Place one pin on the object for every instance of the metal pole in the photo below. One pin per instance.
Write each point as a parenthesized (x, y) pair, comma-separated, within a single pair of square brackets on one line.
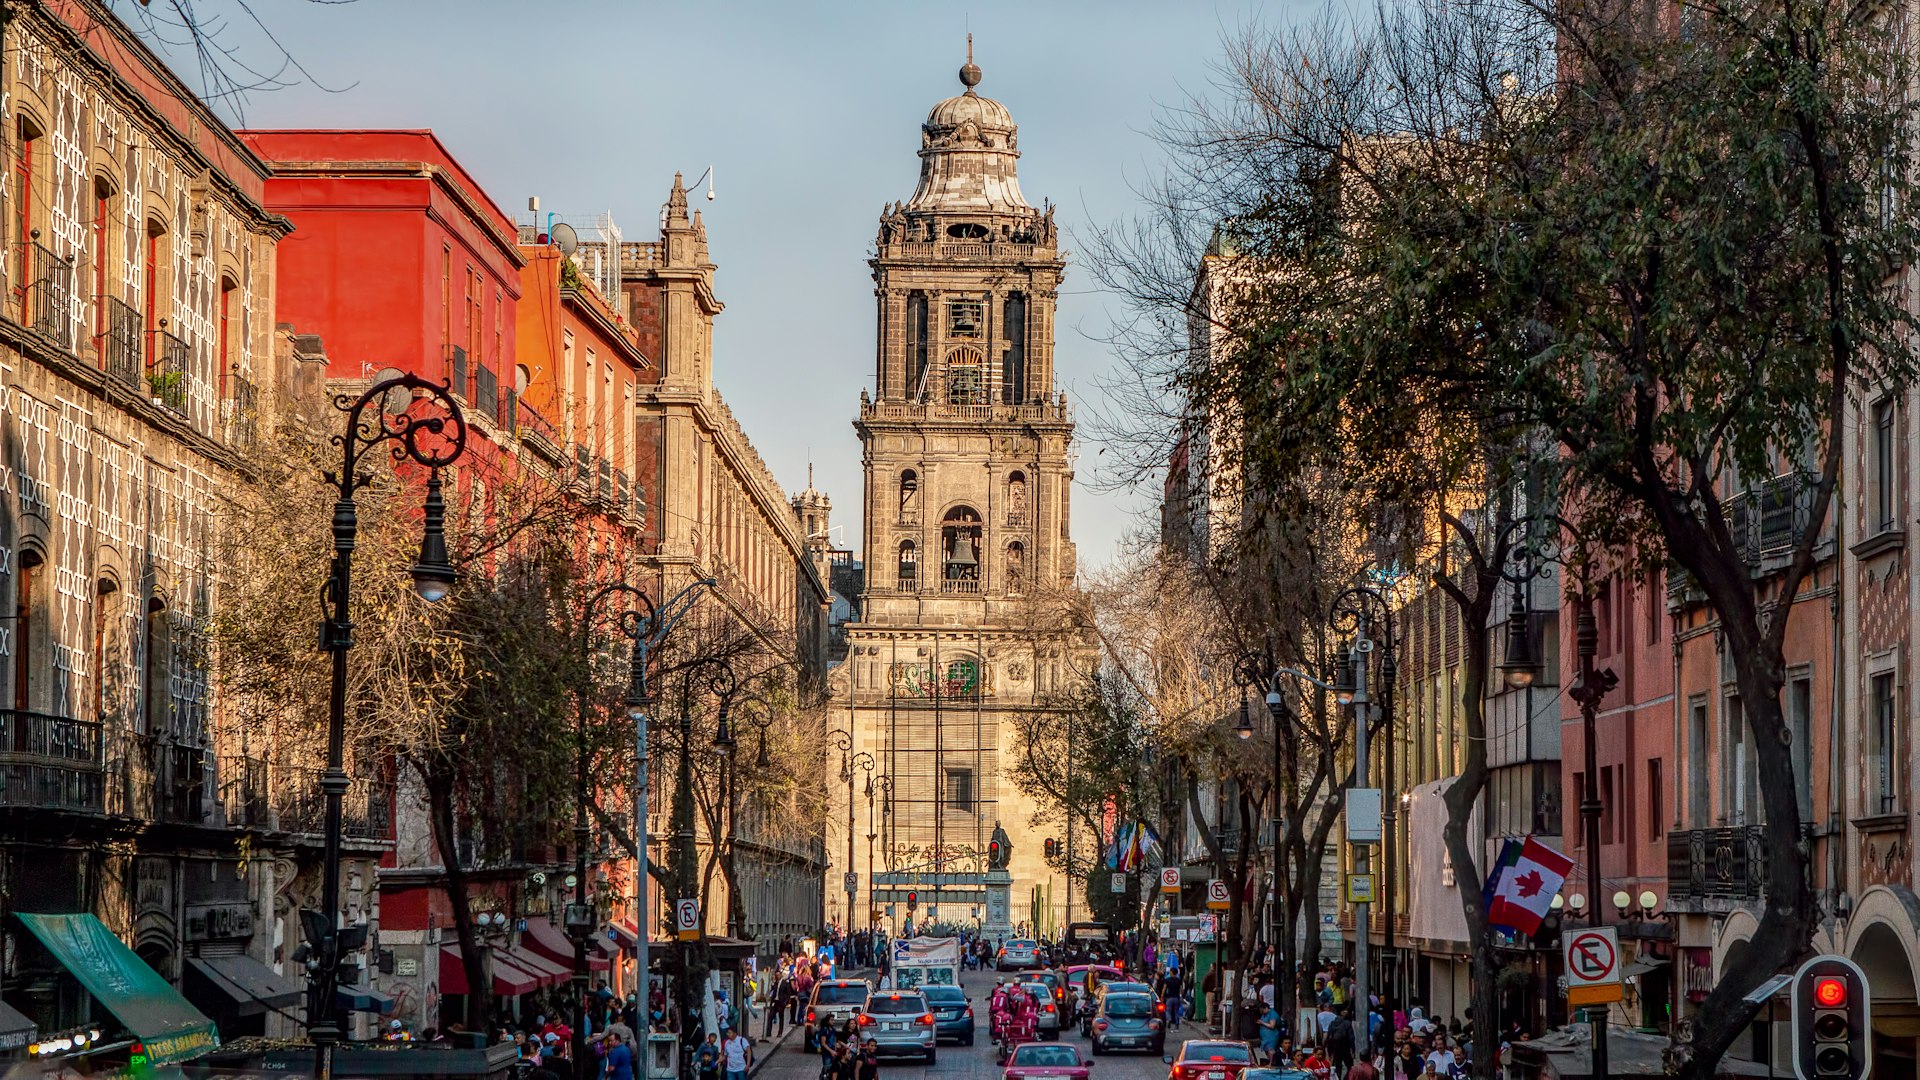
[(1362, 910), (1593, 686), (580, 834), (642, 931), (1390, 987)]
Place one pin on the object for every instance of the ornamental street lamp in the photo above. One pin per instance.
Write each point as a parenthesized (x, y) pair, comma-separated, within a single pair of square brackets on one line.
[(388, 412), (648, 633), (720, 682), (580, 913)]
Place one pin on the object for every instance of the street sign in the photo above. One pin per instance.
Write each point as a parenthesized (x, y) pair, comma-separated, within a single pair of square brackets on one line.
[(686, 918), (1359, 888), (1170, 879), (1592, 962), (1117, 883), (853, 882), (1217, 897)]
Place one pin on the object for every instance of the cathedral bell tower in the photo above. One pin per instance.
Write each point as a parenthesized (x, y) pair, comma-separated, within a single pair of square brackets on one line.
[(966, 449)]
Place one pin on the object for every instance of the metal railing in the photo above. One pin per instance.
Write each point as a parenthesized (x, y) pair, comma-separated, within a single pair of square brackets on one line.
[(243, 410), (300, 807), (120, 342), (47, 301), (243, 791), (167, 375), (1723, 863), (51, 762), (161, 781)]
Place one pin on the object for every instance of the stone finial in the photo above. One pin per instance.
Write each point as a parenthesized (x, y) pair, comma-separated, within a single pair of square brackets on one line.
[(677, 202), (970, 72)]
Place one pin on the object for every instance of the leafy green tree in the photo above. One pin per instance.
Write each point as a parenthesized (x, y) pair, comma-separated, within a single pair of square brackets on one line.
[(1661, 242)]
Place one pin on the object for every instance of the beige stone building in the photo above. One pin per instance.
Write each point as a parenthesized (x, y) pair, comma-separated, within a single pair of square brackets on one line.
[(968, 472)]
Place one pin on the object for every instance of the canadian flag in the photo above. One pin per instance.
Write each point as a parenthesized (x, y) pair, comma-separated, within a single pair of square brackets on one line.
[(1525, 881)]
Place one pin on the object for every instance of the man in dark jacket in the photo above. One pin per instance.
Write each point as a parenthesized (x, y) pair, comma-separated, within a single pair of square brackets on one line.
[(1340, 1042)]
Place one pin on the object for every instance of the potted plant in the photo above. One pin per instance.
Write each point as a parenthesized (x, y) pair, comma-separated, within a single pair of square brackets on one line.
[(167, 386)]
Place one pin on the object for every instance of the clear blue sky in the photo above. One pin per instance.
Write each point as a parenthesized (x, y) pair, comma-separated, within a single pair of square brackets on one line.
[(810, 114)]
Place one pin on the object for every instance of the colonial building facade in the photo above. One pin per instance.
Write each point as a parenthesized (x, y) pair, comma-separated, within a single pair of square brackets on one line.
[(966, 449)]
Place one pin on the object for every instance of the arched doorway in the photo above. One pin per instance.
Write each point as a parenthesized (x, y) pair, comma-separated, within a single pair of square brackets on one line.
[(1881, 938)]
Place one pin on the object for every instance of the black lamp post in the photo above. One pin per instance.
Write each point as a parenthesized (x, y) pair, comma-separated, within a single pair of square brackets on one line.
[(579, 913), (720, 681), (388, 412)]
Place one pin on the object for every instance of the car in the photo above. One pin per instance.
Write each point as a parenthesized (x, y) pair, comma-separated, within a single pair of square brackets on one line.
[(1040, 1061), (1055, 983), (1018, 954), (1100, 992), (839, 1000), (1128, 1022), (1077, 974), (952, 1013), (1278, 1074), (1210, 1059), (900, 1024), (1049, 1021)]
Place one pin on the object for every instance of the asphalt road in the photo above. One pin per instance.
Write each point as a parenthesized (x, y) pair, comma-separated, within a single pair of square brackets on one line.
[(788, 1062)]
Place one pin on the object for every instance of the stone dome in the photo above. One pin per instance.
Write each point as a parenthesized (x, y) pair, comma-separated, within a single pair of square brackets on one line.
[(984, 112)]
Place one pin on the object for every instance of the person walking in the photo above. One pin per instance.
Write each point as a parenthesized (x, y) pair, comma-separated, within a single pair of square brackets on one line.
[(738, 1052), (618, 1062), (1340, 1041)]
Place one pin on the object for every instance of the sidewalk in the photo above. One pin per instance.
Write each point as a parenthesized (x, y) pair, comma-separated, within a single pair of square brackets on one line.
[(764, 1048)]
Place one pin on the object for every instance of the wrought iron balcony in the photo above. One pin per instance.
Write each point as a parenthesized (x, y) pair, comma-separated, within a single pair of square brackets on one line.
[(46, 303), (120, 342), (456, 368), (161, 781), (243, 410), (1720, 864), (486, 393), (300, 807), (167, 375), (243, 792), (51, 762)]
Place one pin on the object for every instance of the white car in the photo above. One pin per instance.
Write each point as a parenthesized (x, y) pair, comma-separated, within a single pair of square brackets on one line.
[(1018, 954)]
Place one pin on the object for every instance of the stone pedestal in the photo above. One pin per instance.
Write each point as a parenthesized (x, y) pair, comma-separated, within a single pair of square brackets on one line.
[(997, 926)]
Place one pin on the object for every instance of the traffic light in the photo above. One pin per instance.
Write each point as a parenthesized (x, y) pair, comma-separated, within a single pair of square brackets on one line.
[(913, 900), (1832, 1012), (1049, 847), (993, 852)]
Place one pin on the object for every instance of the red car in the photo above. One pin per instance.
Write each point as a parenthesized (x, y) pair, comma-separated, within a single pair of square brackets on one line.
[(1037, 1060), (1210, 1059)]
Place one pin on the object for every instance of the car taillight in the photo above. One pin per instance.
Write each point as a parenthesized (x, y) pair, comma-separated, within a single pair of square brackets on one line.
[(927, 1019), (969, 1012), (1049, 1008), (1159, 1006), (1099, 1025), (865, 1020), (810, 1018), (1154, 1024)]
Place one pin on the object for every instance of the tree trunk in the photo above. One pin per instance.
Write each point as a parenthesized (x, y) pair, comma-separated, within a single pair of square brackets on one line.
[(440, 809)]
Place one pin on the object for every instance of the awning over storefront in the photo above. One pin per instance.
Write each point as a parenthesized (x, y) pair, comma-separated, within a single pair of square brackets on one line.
[(246, 985), (366, 999), (625, 935), (125, 986), (509, 979), (550, 972), (16, 1030), (548, 940)]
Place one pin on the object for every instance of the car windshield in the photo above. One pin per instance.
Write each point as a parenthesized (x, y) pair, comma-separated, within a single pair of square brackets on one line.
[(1128, 1005), (1230, 1052), (946, 995), (1040, 991), (896, 1005), (1127, 988), (1047, 1056), (840, 994)]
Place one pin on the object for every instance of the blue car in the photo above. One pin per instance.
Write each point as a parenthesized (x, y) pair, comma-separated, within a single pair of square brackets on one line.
[(1128, 1022), (952, 1013)]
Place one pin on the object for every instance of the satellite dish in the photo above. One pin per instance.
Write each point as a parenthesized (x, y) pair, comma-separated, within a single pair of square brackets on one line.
[(565, 238), (521, 377), (395, 401)]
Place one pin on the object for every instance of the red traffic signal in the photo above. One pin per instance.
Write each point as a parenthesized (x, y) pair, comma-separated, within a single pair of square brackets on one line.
[(1829, 992), (913, 900), (1049, 847), (1832, 1015)]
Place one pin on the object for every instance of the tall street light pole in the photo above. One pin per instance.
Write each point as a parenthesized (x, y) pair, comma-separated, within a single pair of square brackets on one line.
[(580, 914), (720, 681), (648, 632), (883, 785), (1592, 686), (424, 425)]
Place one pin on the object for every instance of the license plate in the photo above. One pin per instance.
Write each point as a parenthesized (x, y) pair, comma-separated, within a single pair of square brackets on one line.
[(894, 1027), (1216, 1075)]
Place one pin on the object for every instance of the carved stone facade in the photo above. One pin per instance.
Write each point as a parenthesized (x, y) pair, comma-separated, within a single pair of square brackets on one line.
[(968, 475)]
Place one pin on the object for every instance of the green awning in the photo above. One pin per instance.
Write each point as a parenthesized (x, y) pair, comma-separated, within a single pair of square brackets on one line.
[(151, 1008)]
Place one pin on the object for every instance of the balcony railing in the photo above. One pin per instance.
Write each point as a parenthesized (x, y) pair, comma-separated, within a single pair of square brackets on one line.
[(51, 762), (300, 807), (167, 377), (46, 303), (120, 343), (604, 470), (1723, 863), (243, 410), (161, 782), (243, 792), (963, 585)]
